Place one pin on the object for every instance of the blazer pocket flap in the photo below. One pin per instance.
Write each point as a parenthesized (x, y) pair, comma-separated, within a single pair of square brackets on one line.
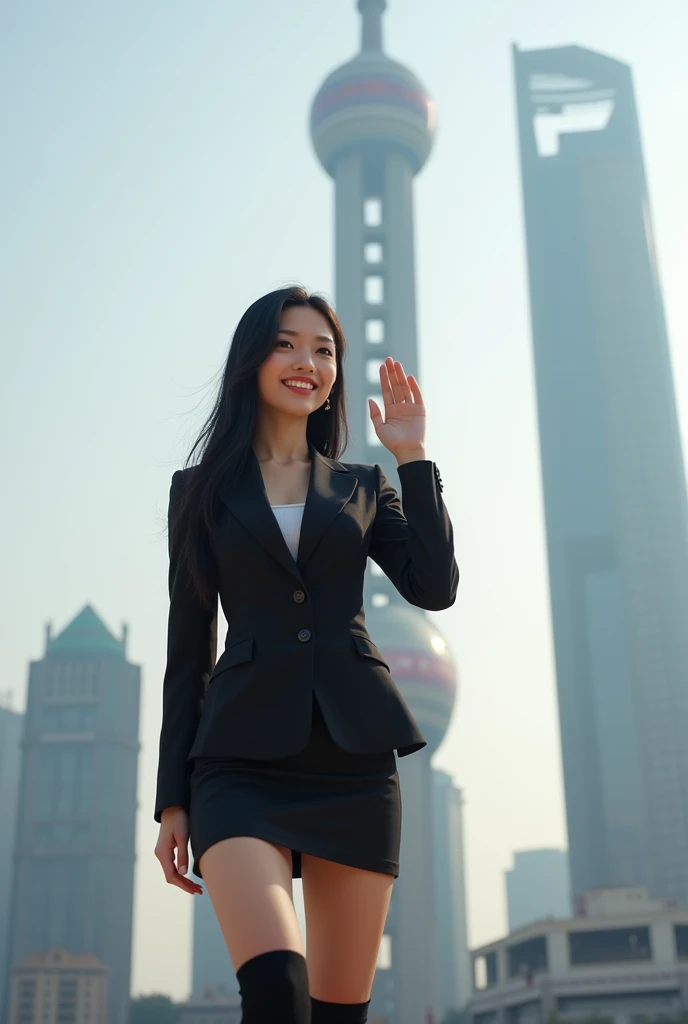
[(234, 655), (365, 646)]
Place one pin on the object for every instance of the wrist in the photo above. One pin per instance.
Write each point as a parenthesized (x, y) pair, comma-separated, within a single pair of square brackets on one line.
[(410, 455)]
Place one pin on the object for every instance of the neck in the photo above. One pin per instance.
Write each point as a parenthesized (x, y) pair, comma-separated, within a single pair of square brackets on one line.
[(281, 442)]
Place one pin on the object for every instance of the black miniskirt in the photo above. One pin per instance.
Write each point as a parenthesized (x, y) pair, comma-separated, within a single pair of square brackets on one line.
[(323, 801)]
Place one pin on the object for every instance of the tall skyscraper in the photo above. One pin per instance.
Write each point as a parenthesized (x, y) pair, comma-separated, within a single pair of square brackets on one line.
[(612, 473), (11, 724), (454, 967), (73, 872), (372, 125), (537, 887)]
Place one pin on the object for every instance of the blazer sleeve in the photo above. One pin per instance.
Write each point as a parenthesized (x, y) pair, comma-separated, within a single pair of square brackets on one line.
[(412, 537), (191, 655)]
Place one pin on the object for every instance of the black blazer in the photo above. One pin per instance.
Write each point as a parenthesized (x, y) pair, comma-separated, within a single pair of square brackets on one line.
[(298, 626)]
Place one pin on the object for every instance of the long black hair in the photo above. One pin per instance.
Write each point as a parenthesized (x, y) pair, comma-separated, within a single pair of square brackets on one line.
[(225, 440)]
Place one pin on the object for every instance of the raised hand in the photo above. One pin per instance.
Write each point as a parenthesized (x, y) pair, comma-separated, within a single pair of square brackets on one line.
[(403, 429)]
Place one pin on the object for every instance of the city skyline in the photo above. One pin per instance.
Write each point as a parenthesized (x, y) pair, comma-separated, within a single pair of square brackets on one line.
[(132, 260)]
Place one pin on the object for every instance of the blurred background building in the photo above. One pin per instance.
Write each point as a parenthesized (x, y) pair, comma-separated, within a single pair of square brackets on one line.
[(451, 913), (57, 987), (537, 887), (73, 865), (612, 473), (624, 959)]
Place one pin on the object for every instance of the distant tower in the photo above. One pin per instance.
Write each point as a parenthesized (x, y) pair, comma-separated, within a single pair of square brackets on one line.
[(73, 871), (537, 887), (612, 473), (450, 895), (372, 124)]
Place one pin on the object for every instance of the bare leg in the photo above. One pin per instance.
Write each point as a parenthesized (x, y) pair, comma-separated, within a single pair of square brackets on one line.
[(346, 909), (249, 882)]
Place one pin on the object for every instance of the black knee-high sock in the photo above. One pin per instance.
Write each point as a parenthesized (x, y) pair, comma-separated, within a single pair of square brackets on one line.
[(338, 1013), (274, 988)]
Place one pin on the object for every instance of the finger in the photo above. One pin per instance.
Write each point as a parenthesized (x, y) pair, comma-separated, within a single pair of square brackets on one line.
[(187, 885), (403, 382), (415, 390), (375, 412), (394, 379), (166, 857), (386, 385)]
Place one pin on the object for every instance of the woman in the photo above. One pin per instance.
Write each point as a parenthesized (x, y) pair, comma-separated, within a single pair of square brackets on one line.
[(277, 761)]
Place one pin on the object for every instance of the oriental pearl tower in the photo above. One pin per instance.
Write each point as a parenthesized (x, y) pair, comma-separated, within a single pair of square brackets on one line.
[(372, 125)]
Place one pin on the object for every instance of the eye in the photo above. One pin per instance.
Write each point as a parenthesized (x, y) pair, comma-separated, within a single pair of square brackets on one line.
[(283, 341), (329, 351)]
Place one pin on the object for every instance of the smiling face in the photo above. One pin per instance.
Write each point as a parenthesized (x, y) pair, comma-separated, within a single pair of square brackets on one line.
[(304, 354)]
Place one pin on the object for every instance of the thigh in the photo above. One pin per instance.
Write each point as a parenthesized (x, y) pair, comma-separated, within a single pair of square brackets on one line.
[(249, 882), (345, 909)]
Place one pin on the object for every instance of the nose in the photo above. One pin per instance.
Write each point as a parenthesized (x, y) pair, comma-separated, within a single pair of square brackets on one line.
[(305, 363)]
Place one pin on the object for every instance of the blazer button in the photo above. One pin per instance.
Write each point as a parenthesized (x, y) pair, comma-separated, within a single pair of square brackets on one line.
[(299, 596), (304, 634), (439, 478)]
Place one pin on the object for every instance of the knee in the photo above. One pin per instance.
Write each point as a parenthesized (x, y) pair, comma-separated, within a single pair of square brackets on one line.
[(274, 988)]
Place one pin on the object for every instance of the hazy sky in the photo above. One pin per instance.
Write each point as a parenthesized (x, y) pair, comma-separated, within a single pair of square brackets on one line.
[(158, 177)]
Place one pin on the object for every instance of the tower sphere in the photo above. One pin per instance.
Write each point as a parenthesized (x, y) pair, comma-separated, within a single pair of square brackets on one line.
[(421, 663), (372, 103)]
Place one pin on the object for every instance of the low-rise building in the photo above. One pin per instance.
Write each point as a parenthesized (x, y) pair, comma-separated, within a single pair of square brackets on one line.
[(212, 1004), (57, 987), (624, 957)]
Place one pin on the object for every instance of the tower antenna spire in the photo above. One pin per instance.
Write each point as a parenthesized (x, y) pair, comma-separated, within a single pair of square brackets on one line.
[(371, 28)]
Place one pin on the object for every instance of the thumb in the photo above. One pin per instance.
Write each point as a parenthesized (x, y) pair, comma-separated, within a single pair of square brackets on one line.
[(375, 413)]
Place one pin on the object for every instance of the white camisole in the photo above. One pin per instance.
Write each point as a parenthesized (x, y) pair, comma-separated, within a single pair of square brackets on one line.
[(289, 520)]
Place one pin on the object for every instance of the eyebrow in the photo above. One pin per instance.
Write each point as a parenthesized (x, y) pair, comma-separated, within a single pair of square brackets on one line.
[(319, 337)]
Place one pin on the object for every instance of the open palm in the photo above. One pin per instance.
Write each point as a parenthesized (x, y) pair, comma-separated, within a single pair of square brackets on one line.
[(403, 427)]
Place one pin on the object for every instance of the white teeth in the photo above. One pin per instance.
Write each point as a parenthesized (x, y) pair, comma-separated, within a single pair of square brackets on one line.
[(299, 384)]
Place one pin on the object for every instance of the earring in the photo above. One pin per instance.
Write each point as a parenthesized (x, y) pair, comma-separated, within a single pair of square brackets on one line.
[(327, 404)]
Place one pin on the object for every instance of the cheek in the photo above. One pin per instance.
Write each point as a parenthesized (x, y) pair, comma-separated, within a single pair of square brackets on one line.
[(269, 374)]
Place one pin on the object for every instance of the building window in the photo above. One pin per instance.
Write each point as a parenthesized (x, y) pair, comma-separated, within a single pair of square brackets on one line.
[(485, 971), (374, 290), (527, 957), (372, 213), (375, 331), (373, 252), (681, 936), (611, 946), (373, 370)]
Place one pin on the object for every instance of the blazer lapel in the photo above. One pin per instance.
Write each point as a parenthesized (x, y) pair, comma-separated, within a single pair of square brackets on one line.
[(330, 487)]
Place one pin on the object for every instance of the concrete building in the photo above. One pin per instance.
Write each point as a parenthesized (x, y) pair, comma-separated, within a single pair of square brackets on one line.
[(625, 959), (11, 725), (537, 886), (453, 959), (57, 987), (372, 126), (612, 471), (73, 869)]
